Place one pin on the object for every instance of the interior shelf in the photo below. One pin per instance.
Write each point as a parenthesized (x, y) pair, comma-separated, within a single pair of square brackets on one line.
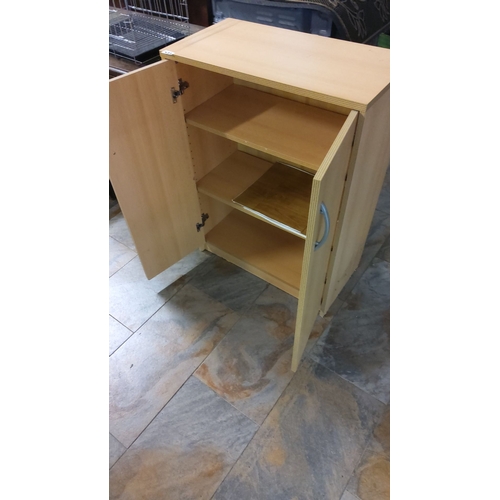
[(258, 247), (290, 130), (231, 177), (281, 196), (276, 193)]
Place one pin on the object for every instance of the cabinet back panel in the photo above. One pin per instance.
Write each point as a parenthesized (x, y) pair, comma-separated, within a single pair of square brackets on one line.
[(233, 176), (266, 156), (203, 85), (207, 150), (295, 97)]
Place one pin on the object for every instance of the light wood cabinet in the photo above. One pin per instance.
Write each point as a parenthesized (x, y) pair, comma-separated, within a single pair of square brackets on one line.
[(280, 137)]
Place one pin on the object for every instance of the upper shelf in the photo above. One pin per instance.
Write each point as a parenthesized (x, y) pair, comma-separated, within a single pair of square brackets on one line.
[(290, 130)]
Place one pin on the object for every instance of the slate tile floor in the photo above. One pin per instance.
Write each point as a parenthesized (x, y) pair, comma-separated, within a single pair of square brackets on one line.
[(203, 404)]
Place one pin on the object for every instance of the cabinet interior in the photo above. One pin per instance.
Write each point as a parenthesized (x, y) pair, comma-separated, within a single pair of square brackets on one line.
[(290, 130), (254, 155)]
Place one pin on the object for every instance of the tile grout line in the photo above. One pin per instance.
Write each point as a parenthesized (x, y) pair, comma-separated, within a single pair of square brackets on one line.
[(350, 493), (120, 268), (140, 326), (247, 315), (358, 462), (308, 354), (121, 454), (258, 428), (180, 387), (375, 253), (225, 400), (128, 231), (124, 326), (111, 434), (263, 422), (365, 447), (173, 395), (368, 442), (151, 421), (241, 316), (126, 263), (193, 374), (327, 327), (281, 395), (348, 381), (118, 321), (121, 243), (157, 310)]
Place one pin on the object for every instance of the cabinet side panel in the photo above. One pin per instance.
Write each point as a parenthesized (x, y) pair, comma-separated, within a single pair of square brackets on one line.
[(150, 166), (365, 180)]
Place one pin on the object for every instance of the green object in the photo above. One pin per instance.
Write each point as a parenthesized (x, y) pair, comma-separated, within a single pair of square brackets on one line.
[(384, 41)]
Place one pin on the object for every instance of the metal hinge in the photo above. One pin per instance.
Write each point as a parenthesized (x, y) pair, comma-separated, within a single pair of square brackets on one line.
[(199, 225), (177, 92)]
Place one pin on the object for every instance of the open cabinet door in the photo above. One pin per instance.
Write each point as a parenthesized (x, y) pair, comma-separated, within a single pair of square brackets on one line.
[(326, 196), (150, 166)]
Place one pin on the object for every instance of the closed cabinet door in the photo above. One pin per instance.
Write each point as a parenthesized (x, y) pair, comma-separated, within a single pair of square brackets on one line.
[(150, 166), (326, 197)]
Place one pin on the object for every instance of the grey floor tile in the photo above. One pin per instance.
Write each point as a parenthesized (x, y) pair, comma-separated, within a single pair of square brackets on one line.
[(151, 366), (119, 230), (250, 368), (133, 299), (118, 334), (379, 231), (385, 250), (186, 451), (356, 346), (227, 283), (309, 444), (116, 450), (119, 255), (322, 324), (384, 200), (349, 496), (371, 479)]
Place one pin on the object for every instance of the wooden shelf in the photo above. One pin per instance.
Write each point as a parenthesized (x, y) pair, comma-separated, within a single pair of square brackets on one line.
[(277, 194), (233, 176), (290, 130), (281, 196), (262, 249)]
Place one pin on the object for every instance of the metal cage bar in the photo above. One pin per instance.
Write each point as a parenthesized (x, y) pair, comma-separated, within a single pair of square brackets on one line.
[(138, 28)]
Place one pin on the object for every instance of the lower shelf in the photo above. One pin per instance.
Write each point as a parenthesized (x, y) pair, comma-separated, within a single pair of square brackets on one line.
[(276, 193), (259, 248)]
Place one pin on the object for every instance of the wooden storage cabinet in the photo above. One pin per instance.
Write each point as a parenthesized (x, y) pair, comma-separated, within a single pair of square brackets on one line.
[(287, 167)]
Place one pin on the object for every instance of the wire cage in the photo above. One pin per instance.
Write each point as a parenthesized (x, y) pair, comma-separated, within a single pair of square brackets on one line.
[(138, 28)]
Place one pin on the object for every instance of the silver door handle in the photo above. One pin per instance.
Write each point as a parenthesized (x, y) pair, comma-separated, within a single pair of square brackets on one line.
[(324, 211)]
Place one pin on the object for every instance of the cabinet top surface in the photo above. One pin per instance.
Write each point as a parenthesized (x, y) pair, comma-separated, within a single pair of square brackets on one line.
[(346, 73)]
